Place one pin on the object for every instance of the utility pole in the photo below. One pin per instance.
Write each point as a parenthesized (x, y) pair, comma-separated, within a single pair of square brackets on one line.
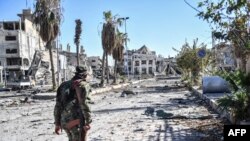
[(125, 19), (58, 62)]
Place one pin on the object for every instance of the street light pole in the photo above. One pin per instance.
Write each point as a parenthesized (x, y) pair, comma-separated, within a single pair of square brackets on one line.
[(125, 19)]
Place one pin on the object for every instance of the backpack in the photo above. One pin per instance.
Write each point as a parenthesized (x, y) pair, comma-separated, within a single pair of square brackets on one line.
[(65, 93)]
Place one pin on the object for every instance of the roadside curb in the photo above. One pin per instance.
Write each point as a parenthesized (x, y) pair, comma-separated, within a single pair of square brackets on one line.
[(213, 104), (52, 95), (114, 87)]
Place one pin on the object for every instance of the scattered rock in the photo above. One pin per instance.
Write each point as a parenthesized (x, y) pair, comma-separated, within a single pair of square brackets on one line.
[(178, 117), (91, 102), (3, 120), (127, 92), (163, 114), (137, 86), (138, 121), (149, 111), (182, 102), (35, 120), (25, 100), (139, 130), (36, 91), (104, 97), (182, 106)]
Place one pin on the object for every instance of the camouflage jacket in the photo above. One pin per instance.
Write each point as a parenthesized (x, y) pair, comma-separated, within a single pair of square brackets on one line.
[(67, 107)]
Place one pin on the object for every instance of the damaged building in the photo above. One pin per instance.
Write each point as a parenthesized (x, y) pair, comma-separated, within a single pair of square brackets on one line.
[(141, 61), (68, 61), (24, 60), (145, 62), (18, 42), (96, 65)]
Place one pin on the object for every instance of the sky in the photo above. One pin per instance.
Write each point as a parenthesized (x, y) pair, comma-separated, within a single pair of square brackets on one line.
[(158, 24)]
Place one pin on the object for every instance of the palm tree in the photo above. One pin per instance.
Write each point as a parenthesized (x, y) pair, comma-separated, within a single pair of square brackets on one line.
[(47, 17), (78, 31), (117, 52), (108, 42)]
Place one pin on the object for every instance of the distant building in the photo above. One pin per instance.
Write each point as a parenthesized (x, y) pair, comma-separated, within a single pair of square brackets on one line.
[(70, 58), (141, 61), (167, 66), (95, 62), (225, 59)]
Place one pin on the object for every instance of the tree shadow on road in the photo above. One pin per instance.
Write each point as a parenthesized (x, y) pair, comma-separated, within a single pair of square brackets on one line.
[(194, 127), (204, 132)]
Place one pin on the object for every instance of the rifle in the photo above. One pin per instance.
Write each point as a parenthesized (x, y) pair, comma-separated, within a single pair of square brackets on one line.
[(82, 134)]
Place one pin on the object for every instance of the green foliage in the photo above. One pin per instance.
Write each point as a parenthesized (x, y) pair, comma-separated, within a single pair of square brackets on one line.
[(78, 31), (47, 17), (190, 64), (238, 79), (117, 52), (237, 103), (229, 19)]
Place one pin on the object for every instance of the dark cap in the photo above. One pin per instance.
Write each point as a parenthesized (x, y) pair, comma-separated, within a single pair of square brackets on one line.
[(81, 69)]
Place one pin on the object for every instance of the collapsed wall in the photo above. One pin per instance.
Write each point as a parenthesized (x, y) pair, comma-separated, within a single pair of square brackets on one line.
[(40, 69)]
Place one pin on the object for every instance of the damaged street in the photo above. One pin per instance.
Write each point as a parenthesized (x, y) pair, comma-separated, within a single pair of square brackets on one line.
[(152, 110)]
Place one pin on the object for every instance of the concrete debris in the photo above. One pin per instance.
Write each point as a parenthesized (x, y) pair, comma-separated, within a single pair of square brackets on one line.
[(104, 97), (137, 86), (127, 92), (25, 100), (36, 91), (162, 114), (139, 130), (149, 111), (45, 64)]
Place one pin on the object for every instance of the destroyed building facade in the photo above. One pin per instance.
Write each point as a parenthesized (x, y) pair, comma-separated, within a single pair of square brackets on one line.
[(96, 63), (24, 58), (18, 42), (224, 57)]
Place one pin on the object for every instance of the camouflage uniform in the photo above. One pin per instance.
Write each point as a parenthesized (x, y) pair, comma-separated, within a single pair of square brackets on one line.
[(67, 107)]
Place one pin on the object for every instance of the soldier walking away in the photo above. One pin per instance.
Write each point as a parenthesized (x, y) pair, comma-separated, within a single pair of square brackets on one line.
[(72, 112)]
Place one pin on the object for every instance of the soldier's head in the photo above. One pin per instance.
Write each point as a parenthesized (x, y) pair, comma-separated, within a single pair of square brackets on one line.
[(81, 72)]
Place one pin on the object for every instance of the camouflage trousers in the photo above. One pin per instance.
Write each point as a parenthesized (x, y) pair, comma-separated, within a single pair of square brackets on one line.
[(74, 134)]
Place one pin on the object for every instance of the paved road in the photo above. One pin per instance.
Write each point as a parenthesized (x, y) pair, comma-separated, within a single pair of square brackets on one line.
[(177, 116)]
